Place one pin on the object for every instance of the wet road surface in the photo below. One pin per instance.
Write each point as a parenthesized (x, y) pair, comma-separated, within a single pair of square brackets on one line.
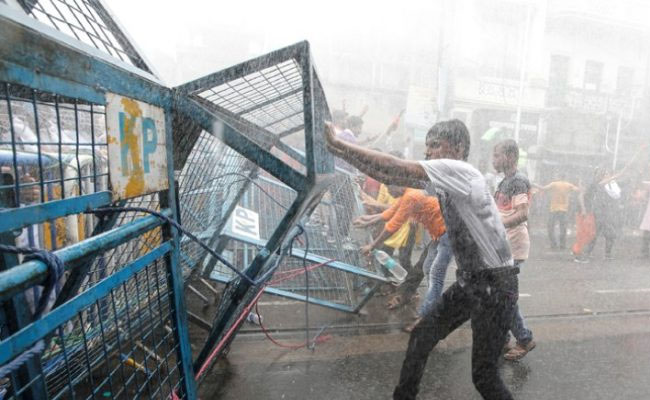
[(591, 323)]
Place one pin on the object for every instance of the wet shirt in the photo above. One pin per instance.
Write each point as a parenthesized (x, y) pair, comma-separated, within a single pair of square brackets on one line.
[(514, 191), (473, 223), (560, 191), (415, 204)]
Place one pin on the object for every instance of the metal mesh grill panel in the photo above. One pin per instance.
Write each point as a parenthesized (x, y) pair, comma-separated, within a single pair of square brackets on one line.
[(86, 21)]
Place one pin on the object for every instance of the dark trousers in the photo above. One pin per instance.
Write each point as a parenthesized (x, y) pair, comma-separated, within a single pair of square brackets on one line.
[(490, 307), (555, 218), (604, 227), (409, 287)]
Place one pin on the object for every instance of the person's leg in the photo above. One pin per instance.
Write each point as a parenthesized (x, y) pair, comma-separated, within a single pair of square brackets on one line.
[(427, 270), (592, 244), (448, 314), (406, 252), (520, 331), (610, 237), (562, 217), (437, 274), (490, 322), (415, 275), (432, 253), (551, 229), (645, 248)]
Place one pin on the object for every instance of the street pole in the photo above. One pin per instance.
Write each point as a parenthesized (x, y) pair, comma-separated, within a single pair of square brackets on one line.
[(442, 74), (522, 71), (618, 135)]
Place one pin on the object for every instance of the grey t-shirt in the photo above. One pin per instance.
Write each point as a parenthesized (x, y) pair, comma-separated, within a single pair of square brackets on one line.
[(475, 228)]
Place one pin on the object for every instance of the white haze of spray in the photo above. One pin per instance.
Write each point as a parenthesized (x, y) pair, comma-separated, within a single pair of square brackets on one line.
[(173, 29)]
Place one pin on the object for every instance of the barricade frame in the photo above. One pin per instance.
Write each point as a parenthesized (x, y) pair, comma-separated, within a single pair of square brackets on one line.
[(39, 57), (309, 186), (43, 58)]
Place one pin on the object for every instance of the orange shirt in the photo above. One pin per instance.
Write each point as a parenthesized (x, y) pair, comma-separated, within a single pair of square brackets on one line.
[(560, 191), (415, 204)]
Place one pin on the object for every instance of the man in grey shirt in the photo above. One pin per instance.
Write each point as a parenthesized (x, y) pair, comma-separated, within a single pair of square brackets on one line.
[(486, 289)]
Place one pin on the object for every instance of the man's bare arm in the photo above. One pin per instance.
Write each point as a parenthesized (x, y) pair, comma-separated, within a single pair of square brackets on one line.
[(367, 220), (625, 168), (518, 217), (383, 167), (379, 240), (402, 181), (375, 205)]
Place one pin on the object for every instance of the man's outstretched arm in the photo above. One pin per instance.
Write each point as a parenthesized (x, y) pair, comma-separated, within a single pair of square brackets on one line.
[(383, 167)]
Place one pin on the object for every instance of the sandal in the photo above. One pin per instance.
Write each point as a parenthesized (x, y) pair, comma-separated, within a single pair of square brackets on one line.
[(396, 301), (409, 328)]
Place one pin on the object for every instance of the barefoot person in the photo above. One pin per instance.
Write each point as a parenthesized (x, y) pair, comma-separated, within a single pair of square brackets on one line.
[(486, 288)]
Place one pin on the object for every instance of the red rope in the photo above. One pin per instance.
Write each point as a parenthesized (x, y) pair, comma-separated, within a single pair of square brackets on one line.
[(289, 275), (246, 311), (320, 339), (292, 273), (229, 333)]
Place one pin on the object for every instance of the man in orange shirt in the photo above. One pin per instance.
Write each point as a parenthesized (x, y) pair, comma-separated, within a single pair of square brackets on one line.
[(414, 205), (387, 196), (559, 207)]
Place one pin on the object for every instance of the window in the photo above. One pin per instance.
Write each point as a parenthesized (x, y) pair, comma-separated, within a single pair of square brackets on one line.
[(558, 77), (593, 75), (559, 71), (624, 80)]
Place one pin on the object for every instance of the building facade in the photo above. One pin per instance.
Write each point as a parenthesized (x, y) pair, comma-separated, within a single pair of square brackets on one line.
[(567, 79)]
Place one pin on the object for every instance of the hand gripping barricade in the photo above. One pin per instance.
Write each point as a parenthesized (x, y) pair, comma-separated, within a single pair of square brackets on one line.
[(86, 125)]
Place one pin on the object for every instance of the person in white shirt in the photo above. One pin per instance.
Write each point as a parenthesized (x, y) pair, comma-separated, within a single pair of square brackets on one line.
[(486, 289)]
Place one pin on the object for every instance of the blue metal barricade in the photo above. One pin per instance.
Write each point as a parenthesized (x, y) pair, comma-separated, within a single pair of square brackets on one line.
[(86, 124), (346, 282), (258, 109), (117, 325)]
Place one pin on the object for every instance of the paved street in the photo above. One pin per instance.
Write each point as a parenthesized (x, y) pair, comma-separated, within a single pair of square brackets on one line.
[(591, 322)]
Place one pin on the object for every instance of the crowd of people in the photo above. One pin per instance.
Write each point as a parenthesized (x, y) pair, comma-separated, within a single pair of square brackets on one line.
[(483, 227), (599, 205)]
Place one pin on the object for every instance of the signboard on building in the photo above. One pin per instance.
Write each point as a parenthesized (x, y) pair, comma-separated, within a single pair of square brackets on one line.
[(420, 108), (137, 154)]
